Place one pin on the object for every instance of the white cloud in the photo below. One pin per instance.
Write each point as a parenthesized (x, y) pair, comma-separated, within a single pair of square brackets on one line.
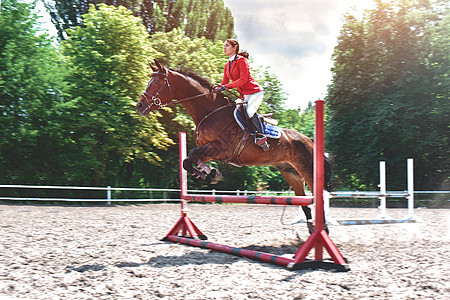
[(295, 38)]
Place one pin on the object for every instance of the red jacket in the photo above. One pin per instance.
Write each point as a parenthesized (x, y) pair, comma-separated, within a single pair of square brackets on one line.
[(240, 77)]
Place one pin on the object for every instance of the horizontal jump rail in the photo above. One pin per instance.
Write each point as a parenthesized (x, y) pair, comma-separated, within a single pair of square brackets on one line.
[(373, 222), (255, 255), (368, 195), (261, 256), (277, 200)]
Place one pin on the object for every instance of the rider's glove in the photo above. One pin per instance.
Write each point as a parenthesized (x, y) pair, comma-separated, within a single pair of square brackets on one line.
[(220, 88)]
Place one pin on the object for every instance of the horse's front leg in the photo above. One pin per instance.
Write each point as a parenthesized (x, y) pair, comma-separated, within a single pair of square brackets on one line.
[(198, 157)]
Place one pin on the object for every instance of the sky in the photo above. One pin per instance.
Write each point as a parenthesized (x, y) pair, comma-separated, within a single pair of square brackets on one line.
[(295, 38)]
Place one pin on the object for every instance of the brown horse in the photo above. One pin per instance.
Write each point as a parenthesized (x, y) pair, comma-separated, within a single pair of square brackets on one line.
[(218, 136)]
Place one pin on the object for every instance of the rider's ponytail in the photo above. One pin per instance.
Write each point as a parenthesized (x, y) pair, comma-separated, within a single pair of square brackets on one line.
[(244, 54), (235, 43)]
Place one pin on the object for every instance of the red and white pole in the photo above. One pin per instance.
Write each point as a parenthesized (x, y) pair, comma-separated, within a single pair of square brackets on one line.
[(319, 178), (183, 173)]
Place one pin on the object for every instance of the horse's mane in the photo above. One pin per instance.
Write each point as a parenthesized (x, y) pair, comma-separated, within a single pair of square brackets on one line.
[(223, 99), (201, 80)]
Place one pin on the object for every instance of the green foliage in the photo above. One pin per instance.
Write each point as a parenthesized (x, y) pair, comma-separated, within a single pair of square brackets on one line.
[(107, 57), (195, 18), (197, 54), (274, 95), (31, 84), (306, 121), (389, 95)]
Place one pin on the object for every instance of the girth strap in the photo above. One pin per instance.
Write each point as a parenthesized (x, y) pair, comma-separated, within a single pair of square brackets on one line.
[(234, 158)]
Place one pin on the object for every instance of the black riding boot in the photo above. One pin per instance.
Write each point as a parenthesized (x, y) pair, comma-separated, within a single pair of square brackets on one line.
[(260, 138)]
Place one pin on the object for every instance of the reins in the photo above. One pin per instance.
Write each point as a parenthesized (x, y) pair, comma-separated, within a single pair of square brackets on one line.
[(156, 101), (175, 102)]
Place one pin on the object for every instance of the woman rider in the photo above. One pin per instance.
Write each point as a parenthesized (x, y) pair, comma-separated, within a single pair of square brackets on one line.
[(237, 70)]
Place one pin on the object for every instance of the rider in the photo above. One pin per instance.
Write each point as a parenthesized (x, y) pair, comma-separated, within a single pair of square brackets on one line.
[(237, 70)]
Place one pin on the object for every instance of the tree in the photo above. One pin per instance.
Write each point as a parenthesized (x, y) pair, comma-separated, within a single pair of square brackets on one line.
[(196, 18), (386, 100), (108, 70), (30, 89), (198, 54)]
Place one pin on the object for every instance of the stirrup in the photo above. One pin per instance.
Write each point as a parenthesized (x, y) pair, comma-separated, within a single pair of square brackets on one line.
[(261, 140)]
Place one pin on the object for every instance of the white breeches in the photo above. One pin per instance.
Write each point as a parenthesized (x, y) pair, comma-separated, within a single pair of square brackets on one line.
[(253, 102)]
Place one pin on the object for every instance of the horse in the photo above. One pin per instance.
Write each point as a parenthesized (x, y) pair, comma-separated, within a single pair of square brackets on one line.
[(219, 137)]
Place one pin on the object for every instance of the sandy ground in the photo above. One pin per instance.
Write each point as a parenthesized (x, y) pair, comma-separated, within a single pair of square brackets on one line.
[(115, 252)]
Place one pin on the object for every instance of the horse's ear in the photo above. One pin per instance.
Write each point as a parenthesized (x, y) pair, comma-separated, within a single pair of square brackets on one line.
[(159, 65), (154, 69)]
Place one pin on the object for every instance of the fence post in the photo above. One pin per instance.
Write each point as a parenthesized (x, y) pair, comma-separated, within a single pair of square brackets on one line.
[(410, 169), (108, 194), (382, 187)]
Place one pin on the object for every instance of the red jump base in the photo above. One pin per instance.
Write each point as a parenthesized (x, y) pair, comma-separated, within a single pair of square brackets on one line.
[(319, 239)]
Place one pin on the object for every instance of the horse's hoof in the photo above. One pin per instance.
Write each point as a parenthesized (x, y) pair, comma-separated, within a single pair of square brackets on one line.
[(201, 175), (215, 176), (311, 227)]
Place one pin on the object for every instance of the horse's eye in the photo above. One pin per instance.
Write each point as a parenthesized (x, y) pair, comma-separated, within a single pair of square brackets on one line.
[(157, 80)]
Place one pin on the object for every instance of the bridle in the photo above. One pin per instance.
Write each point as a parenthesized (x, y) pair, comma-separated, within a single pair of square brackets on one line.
[(156, 101)]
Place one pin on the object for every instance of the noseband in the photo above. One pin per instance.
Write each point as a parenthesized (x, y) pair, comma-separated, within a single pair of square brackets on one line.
[(155, 100)]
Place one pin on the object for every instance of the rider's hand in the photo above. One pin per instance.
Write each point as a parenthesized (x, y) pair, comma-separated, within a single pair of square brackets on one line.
[(219, 88)]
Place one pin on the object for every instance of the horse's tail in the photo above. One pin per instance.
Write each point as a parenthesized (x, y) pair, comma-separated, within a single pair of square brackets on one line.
[(328, 185)]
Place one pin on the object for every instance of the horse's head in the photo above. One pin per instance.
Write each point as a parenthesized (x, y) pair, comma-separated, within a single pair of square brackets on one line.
[(158, 93)]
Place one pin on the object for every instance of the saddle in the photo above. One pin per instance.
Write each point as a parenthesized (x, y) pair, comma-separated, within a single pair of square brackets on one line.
[(268, 126)]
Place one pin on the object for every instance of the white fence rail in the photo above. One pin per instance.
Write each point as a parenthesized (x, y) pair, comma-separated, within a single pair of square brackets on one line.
[(165, 193), (108, 195)]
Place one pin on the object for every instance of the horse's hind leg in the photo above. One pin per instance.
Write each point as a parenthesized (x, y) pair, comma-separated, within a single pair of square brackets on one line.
[(198, 157), (306, 173), (297, 183)]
